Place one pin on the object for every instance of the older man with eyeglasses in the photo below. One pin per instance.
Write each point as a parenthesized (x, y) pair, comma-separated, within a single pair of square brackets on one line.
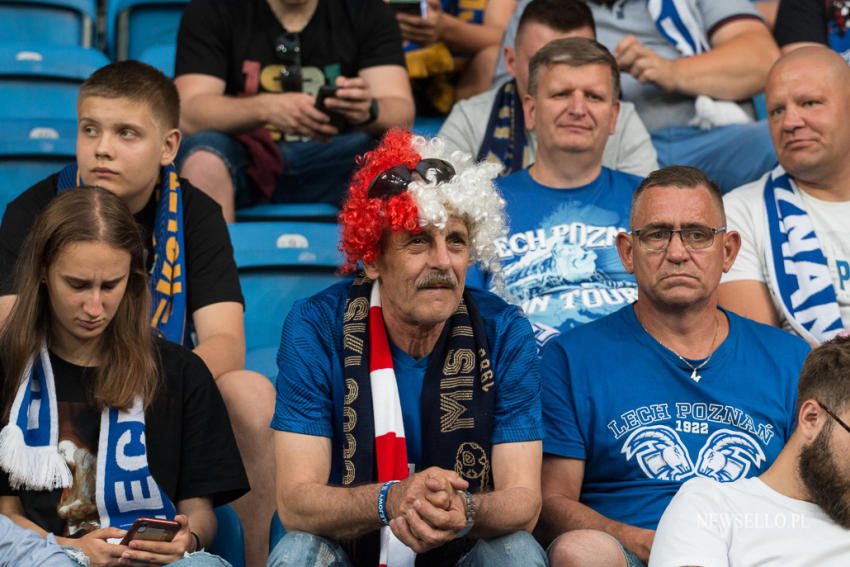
[(798, 512), (408, 424), (663, 390)]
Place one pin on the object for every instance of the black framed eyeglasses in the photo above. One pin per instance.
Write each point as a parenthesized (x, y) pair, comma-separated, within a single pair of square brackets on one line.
[(833, 416), (693, 238), (394, 180), (288, 50)]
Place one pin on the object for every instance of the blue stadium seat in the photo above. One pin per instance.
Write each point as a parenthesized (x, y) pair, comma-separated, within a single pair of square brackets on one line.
[(161, 57), (428, 127), (278, 263), (276, 531), (134, 25), (304, 212), (43, 81), (54, 22), (229, 539), (30, 150)]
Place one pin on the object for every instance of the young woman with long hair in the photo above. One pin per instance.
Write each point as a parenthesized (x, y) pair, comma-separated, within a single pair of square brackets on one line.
[(105, 422)]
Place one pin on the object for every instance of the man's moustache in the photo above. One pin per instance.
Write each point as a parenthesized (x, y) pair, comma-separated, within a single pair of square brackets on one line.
[(437, 279)]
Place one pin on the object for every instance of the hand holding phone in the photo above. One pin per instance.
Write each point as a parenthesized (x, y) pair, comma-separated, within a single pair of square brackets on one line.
[(151, 529), (412, 7), (337, 119)]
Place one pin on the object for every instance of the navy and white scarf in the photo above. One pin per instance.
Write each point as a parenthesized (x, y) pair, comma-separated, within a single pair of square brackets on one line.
[(124, 487), (679, 23), (799, 274), (168, 278)]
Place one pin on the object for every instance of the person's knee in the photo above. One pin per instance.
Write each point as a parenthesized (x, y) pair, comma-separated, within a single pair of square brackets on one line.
[(302, 548), (201, 559), (518, 549), (584, 548)]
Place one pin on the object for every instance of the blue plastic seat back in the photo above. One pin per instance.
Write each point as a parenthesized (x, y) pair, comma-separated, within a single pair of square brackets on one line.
[(229, 539), (43, 81), (161, 57), (276, 531), (55, 22), (304, 212), (30, 150), (135, 25), (279, 262)]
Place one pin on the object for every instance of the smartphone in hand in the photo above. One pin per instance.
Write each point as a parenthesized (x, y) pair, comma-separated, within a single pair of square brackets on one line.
[(412, 7), (337, 119), (151, 529)]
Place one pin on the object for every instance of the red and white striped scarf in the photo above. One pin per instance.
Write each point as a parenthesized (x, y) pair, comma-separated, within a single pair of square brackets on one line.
[(390, 446)]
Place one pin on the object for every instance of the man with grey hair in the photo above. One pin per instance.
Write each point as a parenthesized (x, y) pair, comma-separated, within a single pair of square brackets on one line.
[(559, 259), (408, 407), (660, 391)]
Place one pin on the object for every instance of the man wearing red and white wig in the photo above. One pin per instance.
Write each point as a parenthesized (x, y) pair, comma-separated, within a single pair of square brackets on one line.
[(408, 422)]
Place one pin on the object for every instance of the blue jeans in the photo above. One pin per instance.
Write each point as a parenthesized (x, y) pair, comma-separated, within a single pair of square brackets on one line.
[(518, 549), (730, 155), (197, 559), (314, 172)]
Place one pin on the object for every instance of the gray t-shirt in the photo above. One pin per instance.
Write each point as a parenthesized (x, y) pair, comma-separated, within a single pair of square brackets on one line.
[(656, 107), (628, 149)]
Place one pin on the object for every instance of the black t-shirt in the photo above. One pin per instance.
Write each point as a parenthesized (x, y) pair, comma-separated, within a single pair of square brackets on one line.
[(235, 41), (190, 445), (211, 275), (801, 20)]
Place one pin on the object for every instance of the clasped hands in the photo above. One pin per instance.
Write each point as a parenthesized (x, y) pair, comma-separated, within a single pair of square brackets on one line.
[(426, 509)]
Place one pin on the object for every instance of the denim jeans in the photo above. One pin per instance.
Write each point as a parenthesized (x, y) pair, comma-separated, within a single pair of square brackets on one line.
[(197, 559), (314, 172), (729, 155), (518, 549)]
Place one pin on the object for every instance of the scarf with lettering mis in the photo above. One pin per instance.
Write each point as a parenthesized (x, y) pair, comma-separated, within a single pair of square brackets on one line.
[(168, 278), (799, 274), (505, 141), (124, 487), (457, 404)]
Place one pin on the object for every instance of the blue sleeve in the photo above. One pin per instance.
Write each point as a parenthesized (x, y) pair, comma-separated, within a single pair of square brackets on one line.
[(518, 416), (305, 363), (20, 546), (560, 416)]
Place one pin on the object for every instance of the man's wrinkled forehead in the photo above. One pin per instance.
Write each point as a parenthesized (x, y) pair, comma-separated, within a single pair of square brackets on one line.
[(645, 206)]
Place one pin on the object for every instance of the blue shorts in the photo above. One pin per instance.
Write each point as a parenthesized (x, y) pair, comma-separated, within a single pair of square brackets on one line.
[(314, 172)]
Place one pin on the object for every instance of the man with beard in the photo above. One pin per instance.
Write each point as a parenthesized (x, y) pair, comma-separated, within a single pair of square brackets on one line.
[(796, 513)]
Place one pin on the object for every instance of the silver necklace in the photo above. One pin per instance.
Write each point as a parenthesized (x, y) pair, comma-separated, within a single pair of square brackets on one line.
[(694, 376)]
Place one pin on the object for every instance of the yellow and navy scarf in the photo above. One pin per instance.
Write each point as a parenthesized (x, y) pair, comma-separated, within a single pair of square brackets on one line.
[(505, 141), (168, 277)]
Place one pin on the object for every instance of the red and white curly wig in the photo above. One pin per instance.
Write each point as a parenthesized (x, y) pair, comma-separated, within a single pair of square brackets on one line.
[(470, 195)]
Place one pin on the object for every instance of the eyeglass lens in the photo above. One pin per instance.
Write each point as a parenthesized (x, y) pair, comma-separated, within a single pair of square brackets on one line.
[(696, 238)]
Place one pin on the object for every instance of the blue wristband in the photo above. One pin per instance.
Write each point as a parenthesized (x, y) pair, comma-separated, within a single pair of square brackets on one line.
[(382, 502)]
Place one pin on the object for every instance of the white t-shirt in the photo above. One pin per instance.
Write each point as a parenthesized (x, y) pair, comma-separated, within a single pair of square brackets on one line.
[(745, 524), (745, 213)]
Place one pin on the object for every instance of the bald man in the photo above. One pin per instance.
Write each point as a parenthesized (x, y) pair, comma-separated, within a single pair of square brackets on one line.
[(793, 269)]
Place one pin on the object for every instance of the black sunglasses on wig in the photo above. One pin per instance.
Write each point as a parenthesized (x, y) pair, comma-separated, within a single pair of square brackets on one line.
[(394, 180)]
